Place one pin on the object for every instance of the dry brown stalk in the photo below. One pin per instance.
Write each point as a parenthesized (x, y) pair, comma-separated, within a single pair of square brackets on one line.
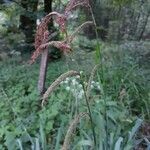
[(57, 82), (71, 37), (71, 130), (122, 94), (42, 33), (75, 3), (58, 44)]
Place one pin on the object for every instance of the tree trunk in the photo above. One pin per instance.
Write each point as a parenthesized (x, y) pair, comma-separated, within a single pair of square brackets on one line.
[(28, 19), (43, 70), (47, 6), (136, 22), (143, 27), (44, 58)]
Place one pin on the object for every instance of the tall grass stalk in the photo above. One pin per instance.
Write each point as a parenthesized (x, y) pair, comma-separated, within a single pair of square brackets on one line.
[(98, 55), (101, 79), (89, 110), (71, 129)]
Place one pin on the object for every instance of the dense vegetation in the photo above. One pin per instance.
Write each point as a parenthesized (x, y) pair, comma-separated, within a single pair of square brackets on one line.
[(97, 95)]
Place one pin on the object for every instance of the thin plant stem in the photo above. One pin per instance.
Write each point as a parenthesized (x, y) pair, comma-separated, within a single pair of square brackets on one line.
[(98, 49), (90, 112), (99, 56), (105, 110)]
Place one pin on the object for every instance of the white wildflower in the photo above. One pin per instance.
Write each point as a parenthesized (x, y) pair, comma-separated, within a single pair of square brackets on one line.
[(97, 101), (74, 82), (98, 87), (68, 88), (81, 72), (97, 83), (80, 86), (66, 82), (80, 96), (82, 92), (93, 82), (78, 77), (67, 79), (92, 87), (85, 83), (72, 90)]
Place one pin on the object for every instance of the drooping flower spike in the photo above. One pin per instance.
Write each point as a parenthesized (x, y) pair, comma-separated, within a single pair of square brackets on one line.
[(42, 33)]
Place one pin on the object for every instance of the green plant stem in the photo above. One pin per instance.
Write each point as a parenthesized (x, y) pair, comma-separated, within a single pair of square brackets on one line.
[(105, 109), (90, 113), (98, 49), (99, 56)]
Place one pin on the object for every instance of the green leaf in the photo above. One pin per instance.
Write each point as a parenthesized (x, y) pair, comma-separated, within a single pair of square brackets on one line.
[(118, 144), (10, 140), (135, 128)]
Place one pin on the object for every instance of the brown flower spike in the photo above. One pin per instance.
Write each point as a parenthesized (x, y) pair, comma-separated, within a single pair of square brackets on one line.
[(42, 33)]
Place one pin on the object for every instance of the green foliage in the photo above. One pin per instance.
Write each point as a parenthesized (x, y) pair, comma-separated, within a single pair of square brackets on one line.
[(117, 105), (11, 13), (117, 100), (122, 2), (20, 102)]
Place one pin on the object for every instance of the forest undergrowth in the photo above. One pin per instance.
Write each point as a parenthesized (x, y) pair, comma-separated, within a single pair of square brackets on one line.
[(119, 106), (96, 95)]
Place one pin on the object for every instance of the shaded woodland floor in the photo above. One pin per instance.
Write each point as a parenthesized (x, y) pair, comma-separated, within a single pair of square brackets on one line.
[(18, 84)]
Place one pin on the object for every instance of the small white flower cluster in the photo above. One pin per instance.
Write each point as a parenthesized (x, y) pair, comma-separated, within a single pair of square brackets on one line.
[(74, 86), (95, 85)]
